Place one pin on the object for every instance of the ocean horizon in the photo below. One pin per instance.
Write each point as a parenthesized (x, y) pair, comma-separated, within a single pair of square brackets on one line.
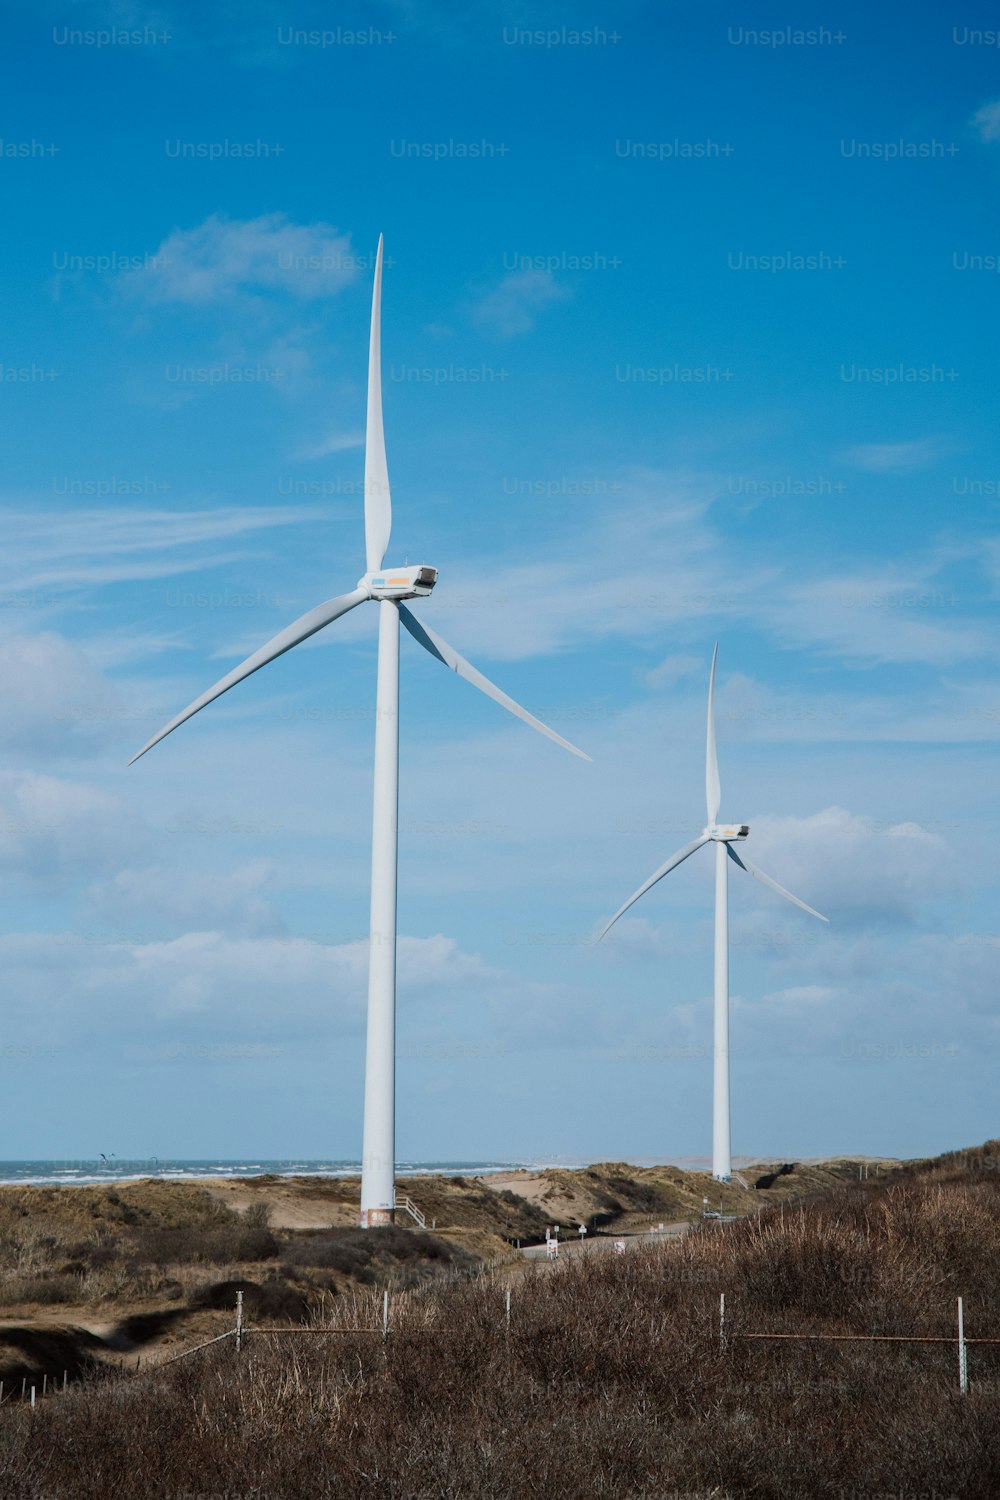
[(79, 1171)]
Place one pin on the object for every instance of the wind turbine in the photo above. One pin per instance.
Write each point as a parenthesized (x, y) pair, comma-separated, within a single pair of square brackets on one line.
[(389, 587), (723, 836)]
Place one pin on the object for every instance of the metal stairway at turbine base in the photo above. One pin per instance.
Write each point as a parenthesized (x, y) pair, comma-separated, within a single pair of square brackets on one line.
[(408, 1206)]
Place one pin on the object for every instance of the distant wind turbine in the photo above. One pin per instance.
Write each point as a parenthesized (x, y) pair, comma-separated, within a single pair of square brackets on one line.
[(723, 836), (389, 586)]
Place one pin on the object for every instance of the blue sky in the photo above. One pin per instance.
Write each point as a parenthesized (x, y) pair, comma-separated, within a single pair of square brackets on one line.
[(689, 333)]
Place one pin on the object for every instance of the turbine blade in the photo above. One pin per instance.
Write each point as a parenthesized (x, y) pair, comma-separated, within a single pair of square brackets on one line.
[(303, 627), (758, 874), (378, 501), (671, 864), (447, 654), (713, 791)]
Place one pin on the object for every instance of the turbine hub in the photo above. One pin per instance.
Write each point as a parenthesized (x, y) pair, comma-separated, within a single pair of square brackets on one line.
[(727, 833), (399, 583)]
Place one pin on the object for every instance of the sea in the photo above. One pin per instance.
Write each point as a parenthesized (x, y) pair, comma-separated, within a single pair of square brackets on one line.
[(115, 1169), (111, 1168)]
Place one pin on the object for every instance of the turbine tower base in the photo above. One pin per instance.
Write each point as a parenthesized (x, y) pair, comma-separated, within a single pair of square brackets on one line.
[(377, 1218)]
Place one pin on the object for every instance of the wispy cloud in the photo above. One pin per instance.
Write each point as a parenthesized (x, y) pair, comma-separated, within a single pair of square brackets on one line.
[(672, 670), (862, 613), (167, 899), (888, 613), (222, 258), (55, 699), (987, 121), (563, 601), (894, 458), (206, 983), (335, 442), (53, 830), (512, 306), (58, 551)]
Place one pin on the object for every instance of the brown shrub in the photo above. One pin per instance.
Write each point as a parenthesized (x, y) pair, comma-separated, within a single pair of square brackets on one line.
[(612, 1380), (370, 1255), (45, 1290), (273, 1300), (186, 1245)]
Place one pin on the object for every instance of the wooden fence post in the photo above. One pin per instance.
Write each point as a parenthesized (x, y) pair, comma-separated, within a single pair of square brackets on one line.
[(722, 1321), (963, 1359), (239, 1321), (385, 1314)]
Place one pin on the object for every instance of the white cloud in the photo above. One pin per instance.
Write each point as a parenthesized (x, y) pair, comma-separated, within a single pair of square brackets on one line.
[(947, 711), (334, 442), (543, 606), (894, 458), (202, 984), (58, 550), (987, 121), (848, 996), (802, 996), (111, 649), (52, 831), (512, 306), (146, 901), (653, 939), (55, 700), (206, 985), (858, 872), (222, 258), (855, 869), (928, 999), (674, 669), (885, 613)]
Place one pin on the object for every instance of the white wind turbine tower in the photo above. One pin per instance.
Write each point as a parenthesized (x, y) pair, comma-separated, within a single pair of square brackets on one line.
[(723, 836), (389, 586)]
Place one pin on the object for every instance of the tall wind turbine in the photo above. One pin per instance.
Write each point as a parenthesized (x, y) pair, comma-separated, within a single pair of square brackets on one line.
[(723, 836), (389, 586)]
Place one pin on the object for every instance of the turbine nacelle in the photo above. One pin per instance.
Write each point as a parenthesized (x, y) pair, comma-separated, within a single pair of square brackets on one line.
[(399, 583), (726, 833)]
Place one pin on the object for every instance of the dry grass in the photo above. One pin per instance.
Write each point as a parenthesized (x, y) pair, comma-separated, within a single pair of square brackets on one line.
[(610, 1382), (43, 1262)]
